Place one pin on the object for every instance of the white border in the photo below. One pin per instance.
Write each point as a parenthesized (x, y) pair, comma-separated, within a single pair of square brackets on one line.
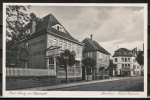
[(92, 94)]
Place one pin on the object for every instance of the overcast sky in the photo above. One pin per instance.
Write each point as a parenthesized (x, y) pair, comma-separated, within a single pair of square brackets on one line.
[(110, 26)]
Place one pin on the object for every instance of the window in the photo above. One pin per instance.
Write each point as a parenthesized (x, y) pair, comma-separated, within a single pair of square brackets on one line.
[(106, 57), (70, 69), (61, 44), (100, 55), (115, 59), (28, 31), (65, 45), (57, 27), (78, 52), (122, 65), (78, 69), (60, 28), (128, 65), (125, 65), (90, 54), (122, 59), (50, 42), (125, 59), (134, 66), (55, 42), (73, 47), (61, 69), (128, 59), (51, 63), (26, 46), (77, 64), (69, 46)]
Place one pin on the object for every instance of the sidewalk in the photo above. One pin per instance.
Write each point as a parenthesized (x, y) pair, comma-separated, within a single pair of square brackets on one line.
[(73, 84)]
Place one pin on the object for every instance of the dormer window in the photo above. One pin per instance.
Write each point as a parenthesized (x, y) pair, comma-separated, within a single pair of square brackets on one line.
[(59, 28)]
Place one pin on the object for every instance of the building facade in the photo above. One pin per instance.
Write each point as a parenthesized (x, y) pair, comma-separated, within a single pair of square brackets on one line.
[(126, 63), (93, 50), (44, 40)]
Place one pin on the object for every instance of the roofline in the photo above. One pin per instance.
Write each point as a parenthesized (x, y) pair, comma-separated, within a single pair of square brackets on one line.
[(88, 50), (49, 20), (65, 38), (96, 50), (101, 47), (39, 33), (122, 48), (92, 44), (123, 56), (104, 52), (34, 35)]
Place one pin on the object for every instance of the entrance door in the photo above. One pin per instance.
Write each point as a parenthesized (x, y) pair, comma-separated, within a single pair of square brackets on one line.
[(83, 73)]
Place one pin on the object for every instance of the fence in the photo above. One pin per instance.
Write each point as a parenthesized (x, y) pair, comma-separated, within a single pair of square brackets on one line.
[(62, 74), (29, 72)]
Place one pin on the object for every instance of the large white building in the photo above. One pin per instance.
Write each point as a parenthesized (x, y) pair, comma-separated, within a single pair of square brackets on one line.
[(126, 63)]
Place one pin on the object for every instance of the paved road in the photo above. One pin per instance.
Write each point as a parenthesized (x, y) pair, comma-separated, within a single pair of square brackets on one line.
[(130, 84)]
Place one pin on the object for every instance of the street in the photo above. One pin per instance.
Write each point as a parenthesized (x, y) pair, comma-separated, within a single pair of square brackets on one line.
[(129, 84)]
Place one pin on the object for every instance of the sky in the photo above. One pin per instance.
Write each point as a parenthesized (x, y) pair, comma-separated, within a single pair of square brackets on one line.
[(112, 27)]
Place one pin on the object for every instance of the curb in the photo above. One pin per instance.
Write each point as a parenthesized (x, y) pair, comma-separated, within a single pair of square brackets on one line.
[(70, 85)]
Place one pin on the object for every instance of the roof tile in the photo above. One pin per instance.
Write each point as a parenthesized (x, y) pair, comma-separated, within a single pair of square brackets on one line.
[(93, 45)]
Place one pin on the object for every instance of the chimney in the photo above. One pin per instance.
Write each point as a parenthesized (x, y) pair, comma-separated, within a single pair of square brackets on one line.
[(91, 37), (33, 23)]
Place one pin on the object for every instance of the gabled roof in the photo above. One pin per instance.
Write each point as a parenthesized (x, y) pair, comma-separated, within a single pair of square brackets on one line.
[(122, 49), (47, 22), (123, 52), (100, 48), (93, 46)]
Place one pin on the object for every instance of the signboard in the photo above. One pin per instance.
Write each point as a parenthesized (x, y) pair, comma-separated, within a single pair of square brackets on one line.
[(53, 51)]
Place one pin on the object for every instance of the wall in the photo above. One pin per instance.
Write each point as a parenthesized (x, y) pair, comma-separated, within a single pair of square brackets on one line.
[(14, 83), (102, 62), (94, 55), (36, 54), (50, 42)]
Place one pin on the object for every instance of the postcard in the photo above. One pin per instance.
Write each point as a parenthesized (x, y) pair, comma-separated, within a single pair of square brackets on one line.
[(77, 50)]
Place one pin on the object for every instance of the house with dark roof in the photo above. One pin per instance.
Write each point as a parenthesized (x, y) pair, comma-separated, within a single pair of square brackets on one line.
[(44, 39), (101, 56), (126, 62)]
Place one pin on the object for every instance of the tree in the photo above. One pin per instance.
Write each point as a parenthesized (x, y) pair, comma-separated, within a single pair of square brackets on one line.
[(140, 58), (111, 67), (66, 59), (88, 63), (16, 19)]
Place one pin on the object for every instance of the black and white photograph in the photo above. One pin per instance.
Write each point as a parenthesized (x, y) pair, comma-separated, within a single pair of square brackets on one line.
[(77, 50)]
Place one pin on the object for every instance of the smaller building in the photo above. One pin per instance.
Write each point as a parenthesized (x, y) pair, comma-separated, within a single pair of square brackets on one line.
[(101, 56), (126, 62)]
